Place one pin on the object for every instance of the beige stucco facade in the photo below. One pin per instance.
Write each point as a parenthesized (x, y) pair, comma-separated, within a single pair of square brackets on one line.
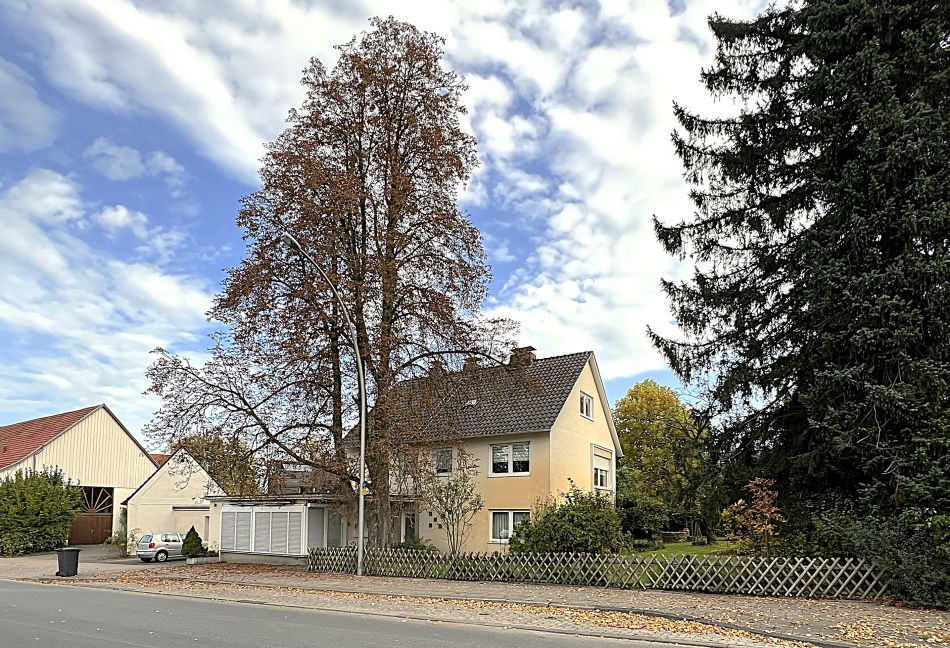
[(174, 499), (96, 451), (565, 454)]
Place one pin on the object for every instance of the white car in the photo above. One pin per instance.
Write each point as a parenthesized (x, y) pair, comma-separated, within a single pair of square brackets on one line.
[(160, 547)]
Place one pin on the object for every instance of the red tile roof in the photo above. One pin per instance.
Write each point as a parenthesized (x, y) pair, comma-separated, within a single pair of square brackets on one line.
[(159, 457), (20, 440)]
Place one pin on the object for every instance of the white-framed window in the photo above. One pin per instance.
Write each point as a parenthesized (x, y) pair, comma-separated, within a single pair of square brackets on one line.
[(587, 406), (504, 523), (443, 461), (510, 458), (602, 462)]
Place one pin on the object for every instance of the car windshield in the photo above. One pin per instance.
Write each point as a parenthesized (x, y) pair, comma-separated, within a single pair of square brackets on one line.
[(146, 538)]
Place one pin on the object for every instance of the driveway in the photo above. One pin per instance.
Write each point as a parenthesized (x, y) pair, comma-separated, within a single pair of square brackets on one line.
[(94, 560), (70, 617)]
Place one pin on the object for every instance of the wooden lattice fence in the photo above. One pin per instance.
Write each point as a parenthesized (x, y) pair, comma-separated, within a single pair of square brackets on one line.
[(844, 578)]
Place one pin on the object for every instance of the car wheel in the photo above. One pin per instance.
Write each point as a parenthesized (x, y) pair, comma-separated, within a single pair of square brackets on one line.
[(144, 559), (161, 556)]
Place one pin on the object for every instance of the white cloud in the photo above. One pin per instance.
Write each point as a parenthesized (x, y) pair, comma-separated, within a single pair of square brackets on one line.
[(113, 161), (97, 315), (118, 162), (572, 108), (26, 123), (119, 217)]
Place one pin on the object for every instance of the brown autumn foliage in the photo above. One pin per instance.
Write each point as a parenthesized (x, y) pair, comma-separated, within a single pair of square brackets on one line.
[(366, 175), (755, 524)]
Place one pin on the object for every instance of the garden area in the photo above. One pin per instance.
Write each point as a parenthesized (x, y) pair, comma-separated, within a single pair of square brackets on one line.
[(718, 548)]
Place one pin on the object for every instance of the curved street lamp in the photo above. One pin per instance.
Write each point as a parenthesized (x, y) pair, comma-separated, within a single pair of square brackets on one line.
[(288, 239)]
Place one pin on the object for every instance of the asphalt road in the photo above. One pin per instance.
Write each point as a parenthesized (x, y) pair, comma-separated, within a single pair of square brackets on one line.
[(57, 616)]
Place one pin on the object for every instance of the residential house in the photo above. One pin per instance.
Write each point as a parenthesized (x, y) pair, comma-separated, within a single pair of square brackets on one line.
[(534, 427), (94, 450), (173, 498)]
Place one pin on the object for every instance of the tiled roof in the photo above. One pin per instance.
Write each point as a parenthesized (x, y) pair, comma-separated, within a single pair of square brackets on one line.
[(159, 457), (20, 440), (487, 401)]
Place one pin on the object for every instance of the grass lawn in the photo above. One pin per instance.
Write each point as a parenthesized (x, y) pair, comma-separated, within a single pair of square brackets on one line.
[(681, 548)]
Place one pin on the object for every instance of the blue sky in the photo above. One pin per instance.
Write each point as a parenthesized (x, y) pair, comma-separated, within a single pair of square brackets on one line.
[(130, 130)]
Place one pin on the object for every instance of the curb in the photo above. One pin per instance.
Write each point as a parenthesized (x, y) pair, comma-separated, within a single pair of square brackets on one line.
[(594, 608)]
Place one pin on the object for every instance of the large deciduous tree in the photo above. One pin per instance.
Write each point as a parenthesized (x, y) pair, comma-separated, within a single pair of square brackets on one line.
[(819, 310), (366, 176), (672, 462)]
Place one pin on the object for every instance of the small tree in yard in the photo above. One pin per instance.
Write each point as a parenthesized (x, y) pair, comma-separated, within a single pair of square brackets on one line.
[(454, 499), (37, 509), (583, 522), (192, 547), (755, 523)]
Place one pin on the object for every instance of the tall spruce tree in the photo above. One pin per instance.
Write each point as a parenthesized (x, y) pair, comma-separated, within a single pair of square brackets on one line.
[(819, 311)]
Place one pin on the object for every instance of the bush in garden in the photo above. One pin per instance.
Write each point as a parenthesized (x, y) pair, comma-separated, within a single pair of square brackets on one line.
[(192, 547), (913, 558), (582, 522), (37, 509)]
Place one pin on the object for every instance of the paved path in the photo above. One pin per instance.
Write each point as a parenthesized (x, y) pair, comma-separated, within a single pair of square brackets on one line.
[(94, 560), (68, 617), (823, 621)]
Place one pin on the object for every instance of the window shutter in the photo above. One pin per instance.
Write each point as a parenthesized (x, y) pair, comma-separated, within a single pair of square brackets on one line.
[(278, 538), (227, 530), (293, 534), (261, 531), (242, 539)]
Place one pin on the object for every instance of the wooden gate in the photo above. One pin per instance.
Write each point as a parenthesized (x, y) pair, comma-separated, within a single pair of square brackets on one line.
[(90, 528), (94, 524)]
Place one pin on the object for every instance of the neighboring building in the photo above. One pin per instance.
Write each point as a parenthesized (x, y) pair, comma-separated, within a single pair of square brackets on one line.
[(94, 450), (159, 457), (173, 499), (534, 427)]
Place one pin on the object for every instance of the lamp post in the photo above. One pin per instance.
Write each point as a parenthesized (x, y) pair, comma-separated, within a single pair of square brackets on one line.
[(289, 240)]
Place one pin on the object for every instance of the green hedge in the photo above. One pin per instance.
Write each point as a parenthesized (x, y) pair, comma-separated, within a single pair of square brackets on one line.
[(36, 510)]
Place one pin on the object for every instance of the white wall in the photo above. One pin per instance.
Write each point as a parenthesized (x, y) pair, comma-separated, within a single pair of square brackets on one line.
[(160, 505)]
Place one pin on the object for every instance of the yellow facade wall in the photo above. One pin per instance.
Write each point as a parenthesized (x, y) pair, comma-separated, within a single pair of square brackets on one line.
[(94, 452), (574, 436), (503, 492)]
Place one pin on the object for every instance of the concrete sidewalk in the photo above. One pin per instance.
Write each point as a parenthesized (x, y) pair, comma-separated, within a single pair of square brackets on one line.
[(827, 622)]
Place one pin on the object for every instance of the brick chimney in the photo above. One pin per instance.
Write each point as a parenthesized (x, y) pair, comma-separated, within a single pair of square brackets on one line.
[(471, 363), (436, 369), (522, 357)]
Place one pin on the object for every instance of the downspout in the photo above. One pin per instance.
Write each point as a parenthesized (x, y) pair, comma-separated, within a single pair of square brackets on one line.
[(41, 448)]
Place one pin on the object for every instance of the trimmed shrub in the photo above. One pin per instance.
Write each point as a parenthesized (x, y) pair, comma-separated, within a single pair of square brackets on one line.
[(582, 522), (36, 510), (192, 547)]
